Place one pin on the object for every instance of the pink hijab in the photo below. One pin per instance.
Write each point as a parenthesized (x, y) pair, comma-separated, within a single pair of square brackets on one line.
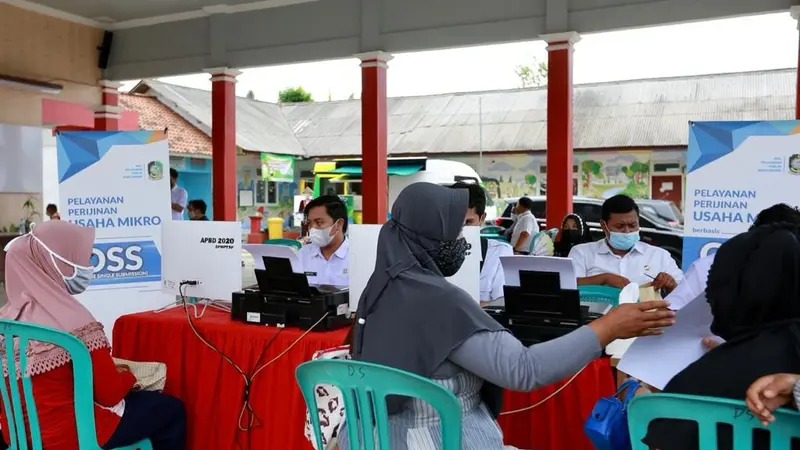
[(37, 293)]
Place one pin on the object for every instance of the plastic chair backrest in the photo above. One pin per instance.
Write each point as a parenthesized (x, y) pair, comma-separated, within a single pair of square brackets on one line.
[(286, 242), (492, 229), (600, 294), (708, 412), (83, 387), (364, 388)]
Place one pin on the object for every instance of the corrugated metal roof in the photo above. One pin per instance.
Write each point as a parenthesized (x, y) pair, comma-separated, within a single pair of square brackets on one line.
[(627, 114), (639, 114), (260, 126)]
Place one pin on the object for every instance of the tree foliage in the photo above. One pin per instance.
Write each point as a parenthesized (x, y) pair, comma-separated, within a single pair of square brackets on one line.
[(294, 95), (532, 75), (251, 95)]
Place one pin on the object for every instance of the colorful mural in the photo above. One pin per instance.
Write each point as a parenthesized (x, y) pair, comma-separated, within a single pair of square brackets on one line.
[(603, 176), (597, 174)]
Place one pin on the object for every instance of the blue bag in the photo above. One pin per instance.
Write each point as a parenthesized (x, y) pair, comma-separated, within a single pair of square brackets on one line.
[(607, 426)]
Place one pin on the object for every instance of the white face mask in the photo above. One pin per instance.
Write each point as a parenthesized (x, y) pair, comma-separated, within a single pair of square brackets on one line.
[(321, 237), (81, 276)]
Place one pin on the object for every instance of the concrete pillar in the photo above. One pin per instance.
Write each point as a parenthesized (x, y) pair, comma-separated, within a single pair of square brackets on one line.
[(374, 137), (559, 125), (223, 142), (795, 10), (108, 114)]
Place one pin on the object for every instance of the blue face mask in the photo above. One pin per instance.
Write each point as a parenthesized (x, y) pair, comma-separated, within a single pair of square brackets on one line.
[(81, 276), (623, 241)]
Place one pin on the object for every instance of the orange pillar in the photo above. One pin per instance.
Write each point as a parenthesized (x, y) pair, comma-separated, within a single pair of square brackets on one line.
[(223, 142), (374, 136), (559, 126), (107, 115)]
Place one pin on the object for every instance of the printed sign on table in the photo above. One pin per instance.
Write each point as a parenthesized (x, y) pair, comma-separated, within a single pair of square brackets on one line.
[(735, 170), (117, 182)]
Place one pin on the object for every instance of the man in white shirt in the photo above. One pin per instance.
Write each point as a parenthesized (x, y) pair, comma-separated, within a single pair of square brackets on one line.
[(492, 278), (524, 227), (621, 258), (179, 196), (325, 258)]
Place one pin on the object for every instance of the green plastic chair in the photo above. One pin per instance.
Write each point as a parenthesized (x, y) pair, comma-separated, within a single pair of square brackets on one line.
[(600, 294), (708, 412), (494, 233), (81, 372), (286, 242), (364, 389)]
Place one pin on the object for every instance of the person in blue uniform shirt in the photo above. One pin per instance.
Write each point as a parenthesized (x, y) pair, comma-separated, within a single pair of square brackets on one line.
[(324, 257), (492, 278)]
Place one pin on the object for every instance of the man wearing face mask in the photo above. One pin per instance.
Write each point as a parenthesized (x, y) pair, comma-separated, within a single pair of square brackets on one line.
[(621, 258), (324, 258), (492, 278)]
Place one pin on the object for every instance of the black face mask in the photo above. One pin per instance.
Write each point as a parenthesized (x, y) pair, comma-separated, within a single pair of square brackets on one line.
[(571, 236), (450, 256)]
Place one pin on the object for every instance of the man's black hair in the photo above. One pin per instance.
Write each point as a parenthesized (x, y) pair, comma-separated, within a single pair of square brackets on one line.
[(173, 173), (780, 213), (618, 204), (199, 205), (52, 207), (477, 196), (334, 206), (526, 203)]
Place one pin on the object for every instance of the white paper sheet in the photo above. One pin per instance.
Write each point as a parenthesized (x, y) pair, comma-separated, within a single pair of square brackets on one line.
[(512, 265), (656, 359), (276, 251), (363, 251)]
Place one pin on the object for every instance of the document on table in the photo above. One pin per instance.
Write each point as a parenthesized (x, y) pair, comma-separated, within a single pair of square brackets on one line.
[(276, 251), (656, 359)]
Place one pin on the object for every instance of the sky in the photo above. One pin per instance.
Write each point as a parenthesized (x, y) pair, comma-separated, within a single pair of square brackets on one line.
[(720, 46)]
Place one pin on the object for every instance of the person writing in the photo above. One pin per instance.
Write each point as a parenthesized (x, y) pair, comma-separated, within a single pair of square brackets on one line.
[(492, 277), (324, 258), (411, 318), (524, 227), (621, 258), (179, 195), (754, 294), (44, 269)]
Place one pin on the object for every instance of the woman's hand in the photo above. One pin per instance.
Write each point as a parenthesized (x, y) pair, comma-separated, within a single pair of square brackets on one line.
[(770, 393), (633, 320), (123, 368)]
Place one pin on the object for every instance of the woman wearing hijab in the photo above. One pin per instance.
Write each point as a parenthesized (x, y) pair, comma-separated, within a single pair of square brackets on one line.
[(754, 293), (573, 232), (44, 269), (411, 318)]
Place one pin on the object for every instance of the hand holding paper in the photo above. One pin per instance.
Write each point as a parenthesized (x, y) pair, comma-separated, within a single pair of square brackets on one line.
[(632, 320)]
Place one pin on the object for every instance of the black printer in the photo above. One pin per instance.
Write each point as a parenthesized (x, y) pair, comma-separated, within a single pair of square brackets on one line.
[(538, 310), (284, 298)]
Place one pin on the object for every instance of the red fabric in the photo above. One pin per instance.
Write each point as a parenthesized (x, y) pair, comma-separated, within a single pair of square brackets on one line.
[(211, 389), (557, 424), (55, 404)]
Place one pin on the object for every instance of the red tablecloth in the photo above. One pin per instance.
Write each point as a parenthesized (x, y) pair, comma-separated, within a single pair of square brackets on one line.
[(212, 390), (557, 424)]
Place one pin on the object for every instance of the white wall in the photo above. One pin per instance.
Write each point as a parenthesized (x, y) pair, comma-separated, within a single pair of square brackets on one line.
[(21, 156), (49, 169)]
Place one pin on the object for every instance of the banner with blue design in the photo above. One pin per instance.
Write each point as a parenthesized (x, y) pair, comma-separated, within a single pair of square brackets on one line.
[(734, 170), (118, 183)]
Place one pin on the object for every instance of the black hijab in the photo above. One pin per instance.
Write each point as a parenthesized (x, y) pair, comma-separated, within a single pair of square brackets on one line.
[(409, 316), (570, 238), (754, 293)]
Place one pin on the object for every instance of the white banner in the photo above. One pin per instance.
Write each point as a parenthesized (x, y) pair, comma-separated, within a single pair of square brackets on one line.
[(117, 182), (735, 170)]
